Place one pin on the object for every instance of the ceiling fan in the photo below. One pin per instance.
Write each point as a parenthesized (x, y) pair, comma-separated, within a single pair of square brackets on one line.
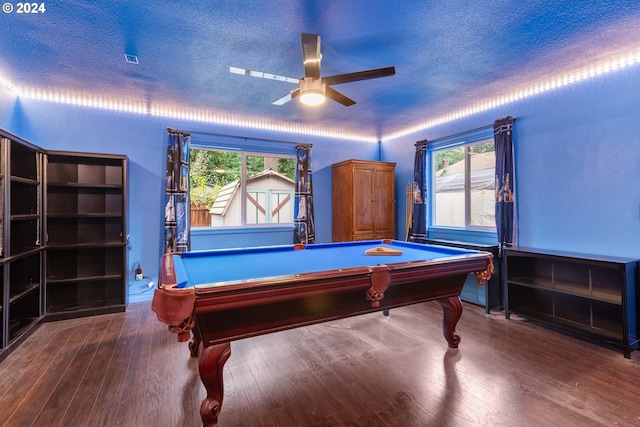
[(312, 88)]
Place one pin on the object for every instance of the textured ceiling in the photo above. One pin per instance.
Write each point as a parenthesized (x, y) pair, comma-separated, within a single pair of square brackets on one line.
[(448, 54)]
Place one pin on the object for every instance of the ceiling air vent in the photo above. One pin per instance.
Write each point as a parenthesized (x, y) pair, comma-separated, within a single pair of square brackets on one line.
[(131, 59)]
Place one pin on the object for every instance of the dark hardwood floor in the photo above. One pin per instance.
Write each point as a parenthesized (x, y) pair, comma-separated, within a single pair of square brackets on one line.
[(126, 369)]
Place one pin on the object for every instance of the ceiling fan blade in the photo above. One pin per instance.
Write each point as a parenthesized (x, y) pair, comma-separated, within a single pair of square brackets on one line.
[(338, 97), (360, 75), (262, 75), (288, 97), (311, 54)]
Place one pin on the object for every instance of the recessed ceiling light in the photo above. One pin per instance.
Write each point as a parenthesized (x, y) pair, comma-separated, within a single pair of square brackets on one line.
[(131, 59)]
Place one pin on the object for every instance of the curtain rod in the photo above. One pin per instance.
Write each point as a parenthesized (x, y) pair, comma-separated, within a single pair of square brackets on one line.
[(487, 127), (454, 135), (239, 137), (177, 132)]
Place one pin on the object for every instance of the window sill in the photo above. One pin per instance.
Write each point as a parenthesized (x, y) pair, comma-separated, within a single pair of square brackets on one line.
[(463, 235), (264, 228)]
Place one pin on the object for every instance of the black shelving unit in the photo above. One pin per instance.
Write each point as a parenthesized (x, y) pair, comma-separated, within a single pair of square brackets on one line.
[(589, 296), (86, 270), (21, 248), (63, 249)]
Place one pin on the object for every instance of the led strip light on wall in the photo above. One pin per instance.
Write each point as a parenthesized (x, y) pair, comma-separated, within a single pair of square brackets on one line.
[(174, 112), (209, 116), (548, 85)]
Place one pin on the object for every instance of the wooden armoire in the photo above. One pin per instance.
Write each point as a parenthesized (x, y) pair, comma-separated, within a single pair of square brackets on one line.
[(363, 200)]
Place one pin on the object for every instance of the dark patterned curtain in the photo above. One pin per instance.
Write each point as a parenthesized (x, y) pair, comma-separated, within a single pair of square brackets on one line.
[(176, 210), (304, 229), (418, 231), (505, 182)]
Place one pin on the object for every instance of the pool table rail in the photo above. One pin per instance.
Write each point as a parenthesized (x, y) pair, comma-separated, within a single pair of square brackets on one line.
[(259, 306)]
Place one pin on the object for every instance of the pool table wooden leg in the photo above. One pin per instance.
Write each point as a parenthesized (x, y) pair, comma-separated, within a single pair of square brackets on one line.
[(452, 310), (194, 344), (211, 362)]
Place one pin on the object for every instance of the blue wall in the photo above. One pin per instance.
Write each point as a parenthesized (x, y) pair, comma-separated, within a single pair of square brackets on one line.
[(143, 139), (577, 164), (9, 110)]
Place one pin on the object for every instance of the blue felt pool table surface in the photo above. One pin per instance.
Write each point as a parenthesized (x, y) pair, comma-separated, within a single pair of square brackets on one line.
[(215, 267)]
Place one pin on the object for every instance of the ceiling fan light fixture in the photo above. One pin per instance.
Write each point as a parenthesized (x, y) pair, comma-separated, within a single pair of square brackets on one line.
[(312, 91), (312, 97)]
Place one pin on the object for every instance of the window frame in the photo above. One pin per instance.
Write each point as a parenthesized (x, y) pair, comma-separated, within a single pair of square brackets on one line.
[(460, 140), (246, 147)]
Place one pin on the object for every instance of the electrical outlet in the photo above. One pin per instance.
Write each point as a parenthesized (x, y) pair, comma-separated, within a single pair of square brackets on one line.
[(139, 273)]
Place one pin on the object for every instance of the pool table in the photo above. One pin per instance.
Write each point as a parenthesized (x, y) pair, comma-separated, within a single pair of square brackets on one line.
[(226, 295)]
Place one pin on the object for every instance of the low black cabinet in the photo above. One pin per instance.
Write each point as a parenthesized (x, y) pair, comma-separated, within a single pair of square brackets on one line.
[(590, 296)]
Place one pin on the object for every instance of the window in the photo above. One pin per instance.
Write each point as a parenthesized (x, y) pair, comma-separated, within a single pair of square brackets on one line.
[(464, 185), (230, 188)]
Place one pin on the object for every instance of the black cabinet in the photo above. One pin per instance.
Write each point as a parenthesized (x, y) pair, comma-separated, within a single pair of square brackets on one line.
[(589, 296), (21, 245), (86, 268)]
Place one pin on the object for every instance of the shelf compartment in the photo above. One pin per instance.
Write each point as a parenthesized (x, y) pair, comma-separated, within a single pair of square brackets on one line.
[(25, 199), (24, 273), (570, 308), (585, 292), (82, 295), (570, 274), (605, 282), (84, 200), (588, 282), (525, 299), (605, 321), (25, 235), (24, 161), (85, 262), (84, 230), (23, 313), (533, 272), (591, 318), (78, 171), (19, 291)]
